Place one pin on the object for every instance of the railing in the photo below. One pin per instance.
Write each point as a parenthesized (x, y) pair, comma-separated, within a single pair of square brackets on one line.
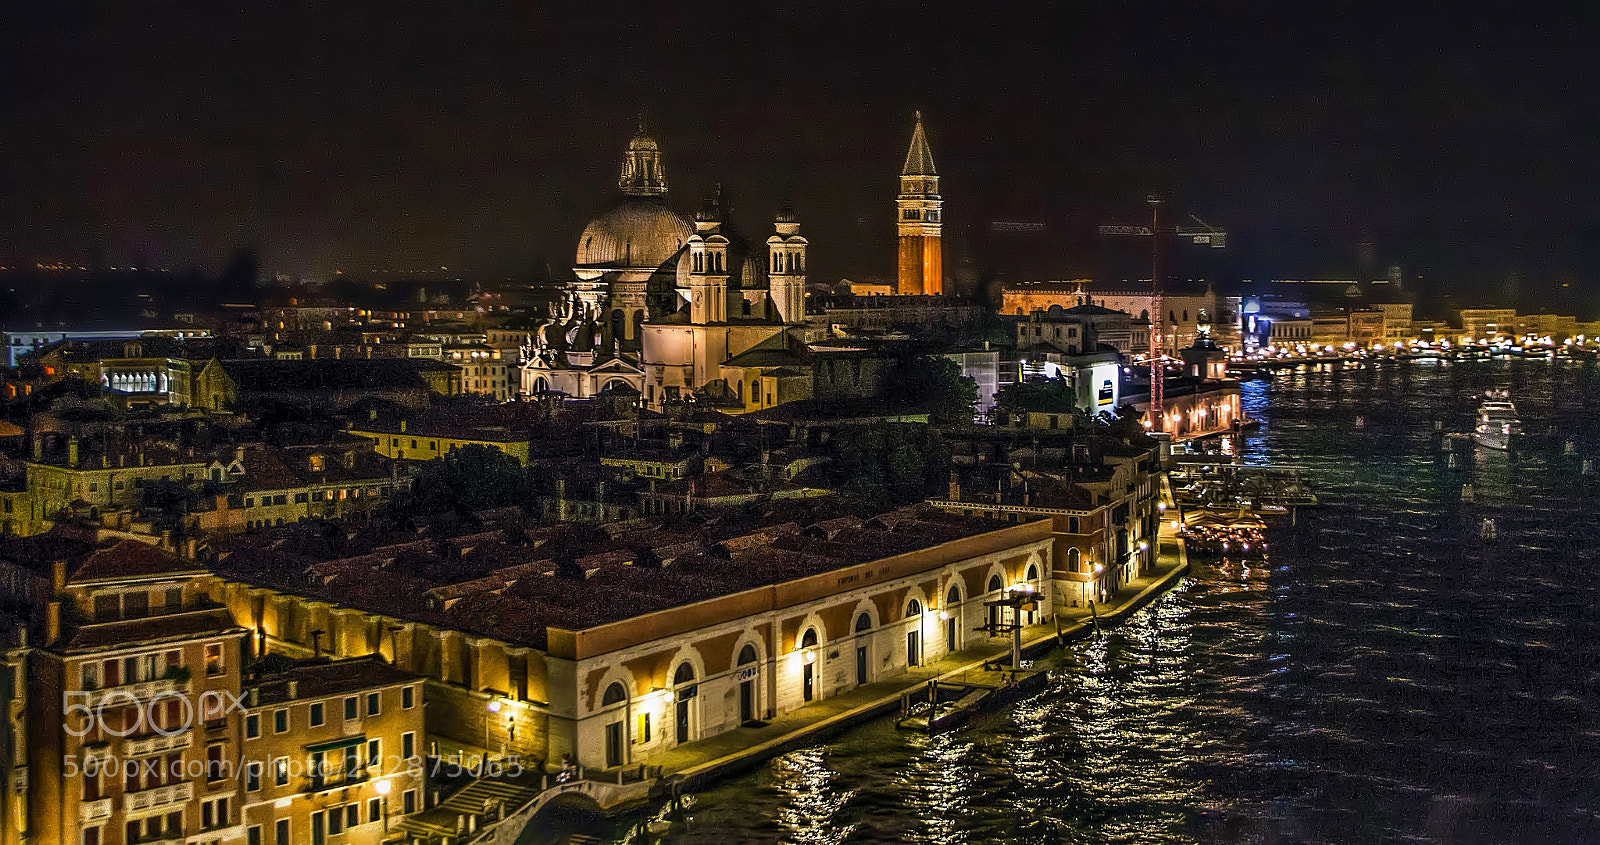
[(605, 788), (157, 744), (177, 793), (140, 690), (92, 811)]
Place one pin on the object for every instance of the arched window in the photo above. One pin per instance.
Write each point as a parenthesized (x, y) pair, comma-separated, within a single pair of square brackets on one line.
[(1073, 556), (1033, 572), (614, 694), (540, 385), (810, 638), (913, 608), (953, 598), (863, 623), (995, 584), (747, 654)]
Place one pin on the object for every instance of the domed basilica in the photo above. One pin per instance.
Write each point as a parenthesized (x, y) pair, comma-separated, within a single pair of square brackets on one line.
[(659, 302)]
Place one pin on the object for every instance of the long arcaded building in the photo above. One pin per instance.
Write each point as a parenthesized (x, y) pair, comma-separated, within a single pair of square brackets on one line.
[(617, 645)]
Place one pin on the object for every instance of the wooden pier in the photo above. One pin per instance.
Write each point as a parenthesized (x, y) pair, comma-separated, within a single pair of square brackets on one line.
[(942, 705)]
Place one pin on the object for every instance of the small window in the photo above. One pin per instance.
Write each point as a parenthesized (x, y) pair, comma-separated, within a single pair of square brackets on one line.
[(252, 726), (372, 704), (280, 776), (408, 698), (280, 721), (214, 665), (350, 709), (408, 746), (316, 715)]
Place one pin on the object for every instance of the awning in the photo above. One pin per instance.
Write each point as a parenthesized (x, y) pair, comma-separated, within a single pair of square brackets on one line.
[(336, 744)]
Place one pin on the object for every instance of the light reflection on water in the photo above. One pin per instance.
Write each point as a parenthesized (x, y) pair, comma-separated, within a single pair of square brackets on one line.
[(1385, 676)]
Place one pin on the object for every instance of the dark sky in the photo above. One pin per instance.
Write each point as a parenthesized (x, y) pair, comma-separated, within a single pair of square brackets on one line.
[(1461, 138)]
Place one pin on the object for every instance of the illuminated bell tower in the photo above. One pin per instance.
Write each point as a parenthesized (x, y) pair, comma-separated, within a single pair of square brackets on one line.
[(787, 276), (921, 254)]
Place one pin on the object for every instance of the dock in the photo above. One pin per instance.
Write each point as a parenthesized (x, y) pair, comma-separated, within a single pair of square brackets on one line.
[(950, 702)]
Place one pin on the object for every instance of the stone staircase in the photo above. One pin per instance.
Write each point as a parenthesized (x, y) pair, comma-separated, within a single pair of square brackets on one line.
[(470, 801)]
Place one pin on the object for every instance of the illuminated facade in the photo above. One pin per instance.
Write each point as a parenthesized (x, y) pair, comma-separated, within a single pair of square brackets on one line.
[(919, 220)]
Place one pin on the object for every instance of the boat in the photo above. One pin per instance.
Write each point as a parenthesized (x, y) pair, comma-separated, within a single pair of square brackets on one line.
[(1497, 420)]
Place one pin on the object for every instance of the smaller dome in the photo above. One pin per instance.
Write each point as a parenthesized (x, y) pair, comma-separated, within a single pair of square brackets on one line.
[(642, 143)]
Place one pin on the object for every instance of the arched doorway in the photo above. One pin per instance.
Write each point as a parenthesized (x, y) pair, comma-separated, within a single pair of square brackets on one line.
[(540, 385), (615, 694), (914, 636), (863, 625), (995, 586), (748, 670), (808, 660), (614, 385), (684, 690), (952, 609)]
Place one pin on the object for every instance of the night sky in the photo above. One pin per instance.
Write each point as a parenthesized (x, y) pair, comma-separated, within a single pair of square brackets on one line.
[(1462, 139)]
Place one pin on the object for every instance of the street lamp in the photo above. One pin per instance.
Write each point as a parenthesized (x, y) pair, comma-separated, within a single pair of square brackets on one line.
[(383, 786)]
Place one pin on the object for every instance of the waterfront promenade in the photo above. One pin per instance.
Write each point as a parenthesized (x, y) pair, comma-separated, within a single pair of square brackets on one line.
[(692, 765)]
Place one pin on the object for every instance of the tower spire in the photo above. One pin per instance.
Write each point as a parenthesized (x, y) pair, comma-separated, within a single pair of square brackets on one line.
[(919, 159)]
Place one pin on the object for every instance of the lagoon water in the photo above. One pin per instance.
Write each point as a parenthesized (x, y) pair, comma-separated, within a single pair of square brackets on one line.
[(1384, 675)]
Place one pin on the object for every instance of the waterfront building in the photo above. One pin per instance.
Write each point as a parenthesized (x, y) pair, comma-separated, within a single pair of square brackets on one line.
[(1488, 324), (332, 751), (1099, 494), (618, 646), (1187, 306), (133, 735)]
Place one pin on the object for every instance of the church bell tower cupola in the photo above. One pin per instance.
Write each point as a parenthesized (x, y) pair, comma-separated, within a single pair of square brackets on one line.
[(919, 221), (642, 175), (708, 266), (787, 274)]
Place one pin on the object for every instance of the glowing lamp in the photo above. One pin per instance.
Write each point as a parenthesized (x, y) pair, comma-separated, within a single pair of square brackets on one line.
[(383, 786)]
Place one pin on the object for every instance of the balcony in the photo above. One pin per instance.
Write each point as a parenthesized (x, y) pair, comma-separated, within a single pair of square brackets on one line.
[(90, 812), (157, 744), (140, 691), (161, 796)]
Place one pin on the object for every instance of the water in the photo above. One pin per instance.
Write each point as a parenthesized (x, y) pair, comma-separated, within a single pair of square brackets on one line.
[(1385, 676)]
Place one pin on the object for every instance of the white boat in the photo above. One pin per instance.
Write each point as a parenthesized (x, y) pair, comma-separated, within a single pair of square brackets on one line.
[(1497, 420)]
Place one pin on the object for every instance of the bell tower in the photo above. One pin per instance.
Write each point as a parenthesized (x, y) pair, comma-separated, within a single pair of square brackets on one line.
[(787, 276), (919, 222), (708, 266)]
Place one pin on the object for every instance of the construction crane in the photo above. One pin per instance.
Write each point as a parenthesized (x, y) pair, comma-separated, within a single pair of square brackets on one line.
[(1203, 235)]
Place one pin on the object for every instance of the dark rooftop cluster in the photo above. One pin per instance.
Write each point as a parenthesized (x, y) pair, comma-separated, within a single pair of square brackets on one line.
[(516, 581)]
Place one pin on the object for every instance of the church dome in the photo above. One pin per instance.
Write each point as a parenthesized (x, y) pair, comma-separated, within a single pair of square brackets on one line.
[(636, 232)]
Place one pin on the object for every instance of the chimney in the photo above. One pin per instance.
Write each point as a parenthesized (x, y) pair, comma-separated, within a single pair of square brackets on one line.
[(58, 577), (238, 453), (294, 689), (402, 426), (255, 696), (52, 624), (72, 452)]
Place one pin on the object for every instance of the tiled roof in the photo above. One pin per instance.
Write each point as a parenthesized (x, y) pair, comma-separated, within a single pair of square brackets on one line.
[(320, 679), (130, 559)]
